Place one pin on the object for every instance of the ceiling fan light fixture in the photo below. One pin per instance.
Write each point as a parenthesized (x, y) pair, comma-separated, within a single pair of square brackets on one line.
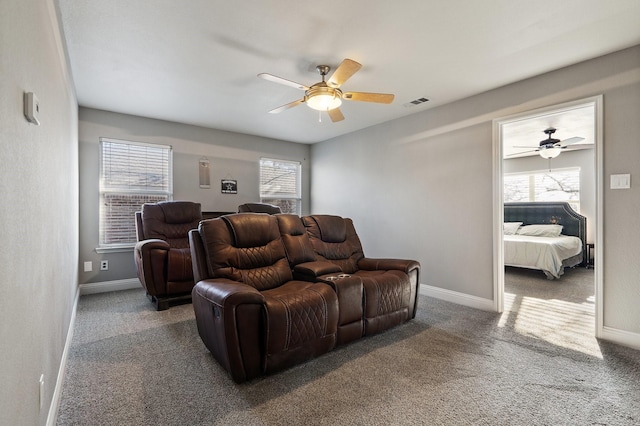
[(551, 152), (323, 98)]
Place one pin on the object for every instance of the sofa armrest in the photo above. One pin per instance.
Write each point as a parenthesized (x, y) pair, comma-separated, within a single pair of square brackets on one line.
[(410, 267), (226, 293), (151, 259), (152, 244), (404, 265), (310, 271), (230, 321)]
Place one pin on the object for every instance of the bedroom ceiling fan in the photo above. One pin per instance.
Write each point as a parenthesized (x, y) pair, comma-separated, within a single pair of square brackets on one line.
[(550, 147), (327, 96)]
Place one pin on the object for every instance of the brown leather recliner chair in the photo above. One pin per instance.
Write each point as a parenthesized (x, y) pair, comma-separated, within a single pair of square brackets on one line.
[(390, 285), (162, 255), (250, 312), (259, 208)]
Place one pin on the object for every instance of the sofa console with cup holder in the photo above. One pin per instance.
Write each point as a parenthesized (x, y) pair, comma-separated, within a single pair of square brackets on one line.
[(275, 290)]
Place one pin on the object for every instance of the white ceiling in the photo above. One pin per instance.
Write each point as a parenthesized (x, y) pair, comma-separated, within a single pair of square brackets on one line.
[(196, 61)]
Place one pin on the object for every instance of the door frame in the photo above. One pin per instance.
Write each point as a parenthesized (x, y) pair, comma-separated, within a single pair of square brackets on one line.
[(498, 201)]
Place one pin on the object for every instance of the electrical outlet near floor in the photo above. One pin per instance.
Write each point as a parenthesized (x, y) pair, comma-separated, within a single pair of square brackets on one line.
[(104, 265)]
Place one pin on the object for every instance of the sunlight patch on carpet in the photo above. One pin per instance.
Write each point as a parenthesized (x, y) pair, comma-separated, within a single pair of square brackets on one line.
[(561, 323)]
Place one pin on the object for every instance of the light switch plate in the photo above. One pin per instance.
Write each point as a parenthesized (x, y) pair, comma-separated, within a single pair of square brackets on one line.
[(621, 181)]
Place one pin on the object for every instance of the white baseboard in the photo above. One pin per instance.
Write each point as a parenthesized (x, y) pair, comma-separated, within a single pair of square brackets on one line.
[(106, 286), (621, 337), (458, 298), (52, 417)]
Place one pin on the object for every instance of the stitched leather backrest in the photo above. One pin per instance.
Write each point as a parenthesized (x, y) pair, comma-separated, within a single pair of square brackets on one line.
[(334, 239), (246, 247), (170, 221), (295, 239)]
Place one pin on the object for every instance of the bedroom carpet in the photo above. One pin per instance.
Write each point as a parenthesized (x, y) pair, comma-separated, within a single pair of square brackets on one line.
[(536, 364)]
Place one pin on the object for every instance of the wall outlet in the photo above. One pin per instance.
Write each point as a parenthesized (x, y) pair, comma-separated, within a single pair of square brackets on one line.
[(88, 266), (104, 265)]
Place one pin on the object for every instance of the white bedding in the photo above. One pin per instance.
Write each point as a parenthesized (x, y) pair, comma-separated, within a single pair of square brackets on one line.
[(545, 253)]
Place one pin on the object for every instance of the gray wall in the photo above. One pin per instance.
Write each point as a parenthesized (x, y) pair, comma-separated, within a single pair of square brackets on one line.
[(38, 207), (231, 155), (421, 186), (585, 159)]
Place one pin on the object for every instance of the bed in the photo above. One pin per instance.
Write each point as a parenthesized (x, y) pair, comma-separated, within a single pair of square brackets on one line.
[(548, 236)]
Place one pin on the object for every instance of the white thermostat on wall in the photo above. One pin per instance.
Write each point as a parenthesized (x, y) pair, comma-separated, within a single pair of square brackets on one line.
[(31, 108)]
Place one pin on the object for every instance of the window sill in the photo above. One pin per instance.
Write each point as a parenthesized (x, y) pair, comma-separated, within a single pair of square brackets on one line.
[(116, 249)]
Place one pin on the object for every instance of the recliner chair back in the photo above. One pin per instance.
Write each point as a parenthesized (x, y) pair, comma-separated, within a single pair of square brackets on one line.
[(295, 239), (259, 208), (246, 248), (170, 221), (334, 239)]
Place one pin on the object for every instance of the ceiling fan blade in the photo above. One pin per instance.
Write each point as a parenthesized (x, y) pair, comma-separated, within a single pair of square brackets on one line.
[(381, 98), (287, 106), (344, 71), (569, 141), (335, 115), (284, 81), (523, 152), (523, 147), (578, 147)]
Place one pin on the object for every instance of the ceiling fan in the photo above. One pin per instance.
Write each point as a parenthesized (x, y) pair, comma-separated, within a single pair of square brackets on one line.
[(550, 147), (327, 96)]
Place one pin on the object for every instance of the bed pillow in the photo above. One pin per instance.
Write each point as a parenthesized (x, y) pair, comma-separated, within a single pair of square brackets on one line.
[(510, 228), (540, 230)]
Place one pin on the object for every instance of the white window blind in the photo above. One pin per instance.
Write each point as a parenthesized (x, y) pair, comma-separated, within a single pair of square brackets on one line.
[(556, 185), (280, 184), (131, 174)]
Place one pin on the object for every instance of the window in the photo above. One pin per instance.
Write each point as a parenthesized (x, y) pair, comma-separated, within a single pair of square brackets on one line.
[(131, 174), (557, 185), (280, 183)]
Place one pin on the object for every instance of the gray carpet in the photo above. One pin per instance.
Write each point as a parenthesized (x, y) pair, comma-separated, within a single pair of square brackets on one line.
[(537, 364)]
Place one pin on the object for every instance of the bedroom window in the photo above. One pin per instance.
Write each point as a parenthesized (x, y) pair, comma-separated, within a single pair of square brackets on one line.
[(131, 174), (280, 184), (556, 185)]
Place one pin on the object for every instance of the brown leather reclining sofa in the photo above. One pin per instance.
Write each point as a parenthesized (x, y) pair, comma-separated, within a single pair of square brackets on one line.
[(274, 291)]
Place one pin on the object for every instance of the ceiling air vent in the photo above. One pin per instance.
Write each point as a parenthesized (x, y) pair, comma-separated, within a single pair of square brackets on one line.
[(416, 102)]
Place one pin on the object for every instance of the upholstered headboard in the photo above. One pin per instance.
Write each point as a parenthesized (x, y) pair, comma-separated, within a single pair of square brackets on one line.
[(573, 223)]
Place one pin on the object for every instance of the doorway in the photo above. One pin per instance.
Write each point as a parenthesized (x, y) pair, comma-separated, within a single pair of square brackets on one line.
[(527, 129)]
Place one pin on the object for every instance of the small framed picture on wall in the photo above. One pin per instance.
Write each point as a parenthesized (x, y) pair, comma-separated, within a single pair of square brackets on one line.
[(229, 186)]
